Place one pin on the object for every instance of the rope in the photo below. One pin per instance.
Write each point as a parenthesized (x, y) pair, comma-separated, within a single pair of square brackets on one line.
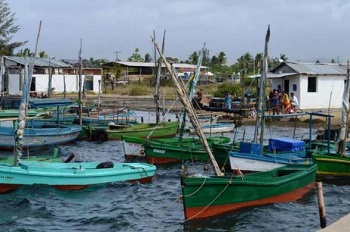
[(205, 208)]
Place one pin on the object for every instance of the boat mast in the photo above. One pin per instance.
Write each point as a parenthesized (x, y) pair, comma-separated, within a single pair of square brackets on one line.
[(341, 140), (262, 102), (193, 84), (79, 93), (184, 98), (156, 96), (22, 116)]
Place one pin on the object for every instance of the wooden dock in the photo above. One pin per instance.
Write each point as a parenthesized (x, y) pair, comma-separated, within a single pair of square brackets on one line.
[(343, 224)]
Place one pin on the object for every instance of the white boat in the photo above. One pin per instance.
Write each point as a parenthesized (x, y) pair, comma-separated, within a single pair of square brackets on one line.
[(215, 128)]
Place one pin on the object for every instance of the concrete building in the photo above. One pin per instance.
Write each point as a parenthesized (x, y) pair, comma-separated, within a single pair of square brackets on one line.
[(47, 74), (317, 86)]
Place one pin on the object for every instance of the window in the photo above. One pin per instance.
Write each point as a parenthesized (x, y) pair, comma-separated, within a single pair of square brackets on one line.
[(311, 84), (295, 87)]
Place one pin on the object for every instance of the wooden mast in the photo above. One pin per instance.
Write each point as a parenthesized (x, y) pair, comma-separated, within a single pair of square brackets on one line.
[(341, 140), (80, 84), (22, 116), (156, 96), (189, 108)]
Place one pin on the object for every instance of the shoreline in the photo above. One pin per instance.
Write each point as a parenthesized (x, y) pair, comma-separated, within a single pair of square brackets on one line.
[(146, 102)]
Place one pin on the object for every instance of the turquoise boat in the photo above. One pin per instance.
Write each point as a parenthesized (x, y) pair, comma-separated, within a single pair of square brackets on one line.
[(71, 176)]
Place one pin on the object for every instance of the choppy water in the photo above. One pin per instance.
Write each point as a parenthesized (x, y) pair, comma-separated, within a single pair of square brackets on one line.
[(155, 206)]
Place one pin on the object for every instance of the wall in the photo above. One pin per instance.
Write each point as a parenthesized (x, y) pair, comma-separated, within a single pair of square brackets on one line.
[(42, 81), (329, 92), (327, 85)]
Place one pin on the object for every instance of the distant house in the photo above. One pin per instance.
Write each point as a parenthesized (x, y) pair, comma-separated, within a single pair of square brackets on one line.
[(144, 68), (317, 86), (63, 76)]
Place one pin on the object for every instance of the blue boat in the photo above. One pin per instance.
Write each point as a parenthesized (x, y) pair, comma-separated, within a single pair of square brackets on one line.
[(38, 137)]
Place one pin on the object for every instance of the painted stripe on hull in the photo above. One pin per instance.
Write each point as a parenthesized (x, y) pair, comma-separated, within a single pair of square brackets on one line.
[(338, 166), (157, 160), (7, 188), (191, 213)]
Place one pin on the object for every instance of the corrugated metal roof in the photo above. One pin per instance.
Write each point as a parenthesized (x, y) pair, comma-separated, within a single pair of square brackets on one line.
[(273, 75), (152, 65), (39, 62), (318, 69), (278, 75)]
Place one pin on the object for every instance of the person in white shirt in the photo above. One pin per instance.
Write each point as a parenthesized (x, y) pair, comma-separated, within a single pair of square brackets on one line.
[(294, 100)]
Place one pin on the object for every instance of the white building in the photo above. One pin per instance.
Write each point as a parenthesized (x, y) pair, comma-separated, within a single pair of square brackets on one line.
[(63, 76), (317, 86)]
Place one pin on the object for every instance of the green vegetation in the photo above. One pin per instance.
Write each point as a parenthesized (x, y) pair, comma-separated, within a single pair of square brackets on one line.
[(8, 29)]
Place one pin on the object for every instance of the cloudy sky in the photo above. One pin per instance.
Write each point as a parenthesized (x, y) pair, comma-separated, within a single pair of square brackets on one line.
[(303, 30)]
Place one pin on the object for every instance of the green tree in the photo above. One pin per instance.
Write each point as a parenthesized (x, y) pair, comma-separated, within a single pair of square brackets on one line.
[(206, 59), (43, 54), (193, 58), (148, 58), (7, 30), (222, 59), (97, 62), (25, 53), (258, 62), (136, 57), (245, 61)]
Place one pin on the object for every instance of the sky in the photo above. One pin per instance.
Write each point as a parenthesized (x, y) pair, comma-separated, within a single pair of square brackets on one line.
[(303, 30)]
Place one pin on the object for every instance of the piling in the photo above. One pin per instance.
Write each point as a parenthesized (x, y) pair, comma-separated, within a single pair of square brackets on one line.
[(321, 207)]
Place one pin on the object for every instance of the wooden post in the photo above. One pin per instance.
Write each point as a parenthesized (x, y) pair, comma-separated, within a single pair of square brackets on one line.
[(321, 206)]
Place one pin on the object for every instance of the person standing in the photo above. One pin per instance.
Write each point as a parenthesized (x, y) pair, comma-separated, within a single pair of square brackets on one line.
[(228, 101), (294, 100), (199, 98), (285, 100), (112, 81), (275, 102)]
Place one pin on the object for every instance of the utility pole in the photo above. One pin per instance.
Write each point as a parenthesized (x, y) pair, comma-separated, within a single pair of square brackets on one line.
[(116, 55)]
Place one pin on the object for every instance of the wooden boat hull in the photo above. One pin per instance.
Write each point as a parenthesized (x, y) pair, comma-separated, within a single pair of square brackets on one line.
[(168, 150), (116, 118), (37, 137), (13, 113), (192, 149), (161, 130), (71, 176), (248, 157), (332, 164), (257, 163), (209, 196)]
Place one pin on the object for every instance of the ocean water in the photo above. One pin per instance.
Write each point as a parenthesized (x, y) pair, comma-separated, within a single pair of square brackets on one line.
[(157, 206)]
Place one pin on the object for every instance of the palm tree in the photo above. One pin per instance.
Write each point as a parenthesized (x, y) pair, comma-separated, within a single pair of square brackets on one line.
[(42, 54), (222, 60)]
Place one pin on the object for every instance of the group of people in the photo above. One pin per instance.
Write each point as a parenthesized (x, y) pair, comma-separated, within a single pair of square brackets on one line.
[(279, 100), (35, 95)]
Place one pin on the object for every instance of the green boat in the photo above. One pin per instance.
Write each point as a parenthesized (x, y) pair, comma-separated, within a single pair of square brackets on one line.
[(208, 196), (170, 151), (205, 196), (335, 160), (176, 149), (13, 113), (115, 132)]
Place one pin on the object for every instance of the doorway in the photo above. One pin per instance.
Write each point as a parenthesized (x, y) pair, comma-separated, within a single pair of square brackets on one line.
[(286, 86)]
